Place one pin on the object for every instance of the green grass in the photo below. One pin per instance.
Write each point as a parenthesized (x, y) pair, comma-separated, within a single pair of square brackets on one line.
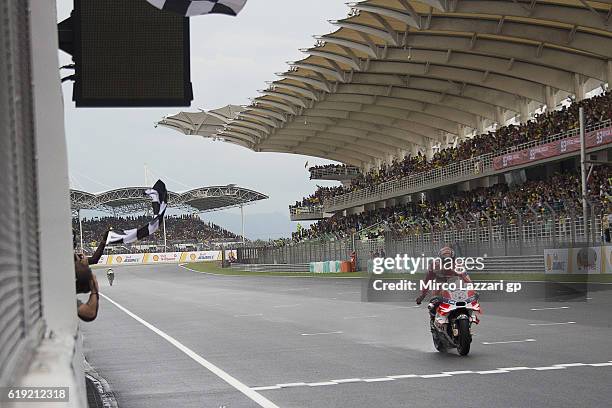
[(215, 268)]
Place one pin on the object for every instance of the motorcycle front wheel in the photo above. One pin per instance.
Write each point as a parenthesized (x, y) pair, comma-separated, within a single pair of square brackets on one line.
[(464, 339)]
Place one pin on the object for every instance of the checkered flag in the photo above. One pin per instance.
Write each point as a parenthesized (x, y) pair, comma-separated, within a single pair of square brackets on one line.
[(190, 8), (159, 202)]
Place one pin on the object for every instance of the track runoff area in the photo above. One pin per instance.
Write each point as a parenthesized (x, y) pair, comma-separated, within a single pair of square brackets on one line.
[(167, 335)]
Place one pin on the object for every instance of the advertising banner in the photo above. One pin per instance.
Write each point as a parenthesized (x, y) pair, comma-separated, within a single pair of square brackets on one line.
[(552, 149), (586, 260), (162, 257), (167, 257), (201, 256), (556, 260), (125, 259)]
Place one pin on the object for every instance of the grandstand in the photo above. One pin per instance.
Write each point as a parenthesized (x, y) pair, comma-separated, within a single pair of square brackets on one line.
[(179, 232), (431, 106)]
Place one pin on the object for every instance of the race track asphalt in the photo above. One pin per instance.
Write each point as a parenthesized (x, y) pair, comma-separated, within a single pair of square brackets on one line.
[(289, 340)]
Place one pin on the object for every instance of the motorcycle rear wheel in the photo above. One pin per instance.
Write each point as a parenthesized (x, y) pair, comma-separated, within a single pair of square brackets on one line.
[(464, 339)]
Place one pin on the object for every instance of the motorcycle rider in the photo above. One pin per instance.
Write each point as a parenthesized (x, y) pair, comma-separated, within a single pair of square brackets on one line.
[(110, 275), (441, 275)]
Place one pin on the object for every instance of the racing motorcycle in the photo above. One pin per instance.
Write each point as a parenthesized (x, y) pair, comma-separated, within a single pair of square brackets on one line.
[(451, 327), (110, 275)]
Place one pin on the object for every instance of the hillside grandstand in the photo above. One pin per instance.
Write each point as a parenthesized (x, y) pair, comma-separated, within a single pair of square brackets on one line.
[(129, 207)]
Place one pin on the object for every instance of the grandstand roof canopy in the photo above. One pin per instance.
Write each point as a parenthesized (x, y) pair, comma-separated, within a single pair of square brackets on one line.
[(399, 76), (205, 124), (130, 200)]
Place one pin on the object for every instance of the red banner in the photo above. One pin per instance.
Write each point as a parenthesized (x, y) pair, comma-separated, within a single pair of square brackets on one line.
[(552, 149)]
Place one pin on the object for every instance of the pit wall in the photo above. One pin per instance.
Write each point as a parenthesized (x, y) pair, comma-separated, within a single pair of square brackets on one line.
[(165, 257)]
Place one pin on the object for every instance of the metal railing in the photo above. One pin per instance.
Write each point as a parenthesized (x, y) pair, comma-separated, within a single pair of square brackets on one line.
[(524, 234), (306, 210), (334, 173), (306, 213), (452, 173)]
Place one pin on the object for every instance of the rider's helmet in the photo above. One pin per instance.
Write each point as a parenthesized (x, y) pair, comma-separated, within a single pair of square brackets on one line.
[(446, 252), (110, 271)]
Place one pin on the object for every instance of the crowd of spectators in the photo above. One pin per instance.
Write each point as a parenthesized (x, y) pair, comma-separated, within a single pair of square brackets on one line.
[(597, 109), (179, 228), (493, 204)]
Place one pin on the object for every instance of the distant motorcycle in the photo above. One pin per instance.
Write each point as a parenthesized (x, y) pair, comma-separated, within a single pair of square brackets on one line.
[(110, 275), (452, 325)]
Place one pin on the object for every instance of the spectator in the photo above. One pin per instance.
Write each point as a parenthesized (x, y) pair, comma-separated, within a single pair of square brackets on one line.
[(179, 229), (498, 203), (597, 109), (86, 283)]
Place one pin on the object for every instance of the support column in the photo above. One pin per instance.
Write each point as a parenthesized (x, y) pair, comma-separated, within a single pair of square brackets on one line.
[(549, 95), (430, 146), (481, 125), (578, 87), (609, 74), (524, 109), (499, 117)]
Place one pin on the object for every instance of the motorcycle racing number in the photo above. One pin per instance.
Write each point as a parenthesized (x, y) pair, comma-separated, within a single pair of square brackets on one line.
[(459, 295)]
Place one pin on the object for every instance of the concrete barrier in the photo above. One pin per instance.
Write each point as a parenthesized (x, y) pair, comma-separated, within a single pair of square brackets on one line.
[(271, 267)]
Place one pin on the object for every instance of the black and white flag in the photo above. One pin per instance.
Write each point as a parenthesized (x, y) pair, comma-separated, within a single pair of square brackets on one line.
[(190, 8), (159, 196)]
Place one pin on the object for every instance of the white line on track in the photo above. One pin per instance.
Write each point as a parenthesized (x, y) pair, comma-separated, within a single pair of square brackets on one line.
[(288, 385), (493, 372), (435, 375), (514, 368), (321, 334), (322, 383), (348, 293), (549, 368), (347, 380), (398, 377), (550, 308), (508, 342), (550, 324), (444, 374), (283, 306), (249, 315), (360, 317), (246, 390)]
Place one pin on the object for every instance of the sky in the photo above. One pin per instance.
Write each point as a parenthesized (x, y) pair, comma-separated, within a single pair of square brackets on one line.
[(231, 58)]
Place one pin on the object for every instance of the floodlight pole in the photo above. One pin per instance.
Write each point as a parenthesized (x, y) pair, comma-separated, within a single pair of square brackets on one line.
[(80, 230), (583, 173), (165, 241), (242, 220)]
